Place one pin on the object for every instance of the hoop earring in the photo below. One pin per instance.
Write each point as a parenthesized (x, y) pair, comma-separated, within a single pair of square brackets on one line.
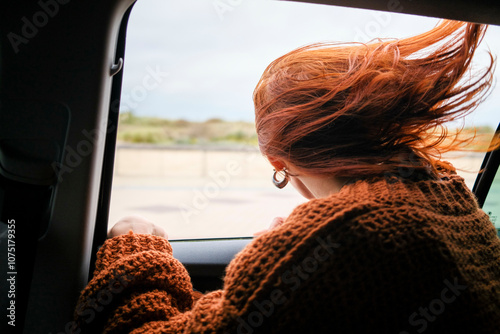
[(280, 184)]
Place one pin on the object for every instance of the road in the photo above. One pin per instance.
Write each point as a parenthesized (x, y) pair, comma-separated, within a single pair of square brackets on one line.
[(205, 194)]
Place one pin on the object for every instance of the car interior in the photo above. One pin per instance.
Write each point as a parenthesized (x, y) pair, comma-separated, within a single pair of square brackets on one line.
[(61, 75)]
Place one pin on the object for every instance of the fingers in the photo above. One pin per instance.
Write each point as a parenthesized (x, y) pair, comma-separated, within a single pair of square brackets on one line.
[(136, 224), (256, 234), (157, 230), (277, 221)]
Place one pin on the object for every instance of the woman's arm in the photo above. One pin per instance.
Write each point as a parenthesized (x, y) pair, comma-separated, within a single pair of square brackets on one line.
[(136, 280)]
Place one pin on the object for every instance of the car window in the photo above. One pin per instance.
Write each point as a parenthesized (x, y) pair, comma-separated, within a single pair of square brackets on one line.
[(187, 155), (492, 203)]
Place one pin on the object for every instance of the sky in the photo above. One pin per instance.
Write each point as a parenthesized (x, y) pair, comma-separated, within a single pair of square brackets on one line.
[(201, 59)]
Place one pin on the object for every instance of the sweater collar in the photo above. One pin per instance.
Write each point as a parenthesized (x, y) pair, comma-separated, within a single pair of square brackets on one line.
[(447, 195)]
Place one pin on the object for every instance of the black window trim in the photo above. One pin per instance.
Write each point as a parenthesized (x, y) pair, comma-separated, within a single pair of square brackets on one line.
[(102, 215), (488, 171)]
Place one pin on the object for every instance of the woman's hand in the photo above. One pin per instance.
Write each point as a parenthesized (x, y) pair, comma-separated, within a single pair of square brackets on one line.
[(136, 224), (275, 223)]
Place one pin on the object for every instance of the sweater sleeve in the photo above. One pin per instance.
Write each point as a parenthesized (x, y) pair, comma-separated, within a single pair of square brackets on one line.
[(138, 286)]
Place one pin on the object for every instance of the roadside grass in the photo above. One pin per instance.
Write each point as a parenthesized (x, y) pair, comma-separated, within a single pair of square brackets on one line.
[(151, 130)]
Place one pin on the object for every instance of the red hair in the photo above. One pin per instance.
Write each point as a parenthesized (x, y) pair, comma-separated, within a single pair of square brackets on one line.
[(367, 109)]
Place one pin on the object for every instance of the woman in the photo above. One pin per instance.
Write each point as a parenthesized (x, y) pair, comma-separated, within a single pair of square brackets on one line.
[(391, 241)]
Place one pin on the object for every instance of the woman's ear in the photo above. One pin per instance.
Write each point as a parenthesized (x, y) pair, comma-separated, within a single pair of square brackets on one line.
[(277, 163)]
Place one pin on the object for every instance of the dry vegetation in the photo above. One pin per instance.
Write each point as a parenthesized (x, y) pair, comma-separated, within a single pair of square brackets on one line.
[(134, 129)]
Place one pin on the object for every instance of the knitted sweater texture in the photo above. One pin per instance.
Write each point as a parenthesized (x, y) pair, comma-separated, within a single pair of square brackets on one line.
[(381, 256)]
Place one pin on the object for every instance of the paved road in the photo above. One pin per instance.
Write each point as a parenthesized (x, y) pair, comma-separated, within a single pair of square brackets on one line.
[(205, 209), (202, 194)]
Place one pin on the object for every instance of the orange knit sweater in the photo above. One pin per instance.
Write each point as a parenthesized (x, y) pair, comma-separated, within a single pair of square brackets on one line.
[(381, 256)]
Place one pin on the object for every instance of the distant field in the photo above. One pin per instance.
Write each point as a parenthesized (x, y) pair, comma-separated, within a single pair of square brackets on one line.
[(148, 130)]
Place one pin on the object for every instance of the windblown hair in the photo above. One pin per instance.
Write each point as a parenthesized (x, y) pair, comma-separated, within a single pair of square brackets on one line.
[(368, 109)]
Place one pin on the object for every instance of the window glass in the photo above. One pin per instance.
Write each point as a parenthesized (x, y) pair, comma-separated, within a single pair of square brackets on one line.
[(492, 203), (187, 155)]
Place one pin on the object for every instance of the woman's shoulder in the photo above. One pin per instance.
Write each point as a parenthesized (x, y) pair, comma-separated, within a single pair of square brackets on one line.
[(388, 198)]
